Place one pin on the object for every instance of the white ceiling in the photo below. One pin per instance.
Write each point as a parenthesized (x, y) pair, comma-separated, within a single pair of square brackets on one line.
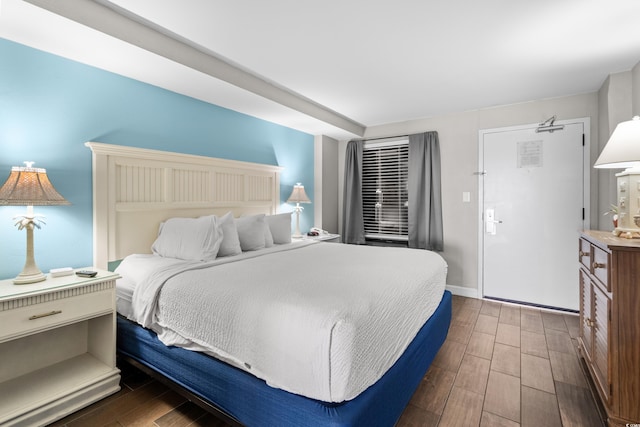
[(335, 67)]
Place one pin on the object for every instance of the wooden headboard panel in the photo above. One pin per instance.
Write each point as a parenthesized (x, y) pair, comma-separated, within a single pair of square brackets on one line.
[(135, 189)]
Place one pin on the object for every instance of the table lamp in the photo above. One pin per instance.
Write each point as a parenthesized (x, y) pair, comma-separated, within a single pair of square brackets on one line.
[(29, 186), (298, 196), (623, 151)]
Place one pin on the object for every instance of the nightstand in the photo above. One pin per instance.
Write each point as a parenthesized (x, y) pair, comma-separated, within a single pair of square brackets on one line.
[(57, 347), (333, 238)]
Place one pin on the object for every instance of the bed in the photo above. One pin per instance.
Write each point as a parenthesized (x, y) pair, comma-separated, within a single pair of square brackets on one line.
[(364, 334)]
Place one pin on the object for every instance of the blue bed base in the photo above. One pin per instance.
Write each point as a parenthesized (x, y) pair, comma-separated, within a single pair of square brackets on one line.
[(253, 403)]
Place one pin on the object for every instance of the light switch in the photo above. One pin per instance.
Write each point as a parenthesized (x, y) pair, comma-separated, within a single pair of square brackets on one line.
[(466, 196)]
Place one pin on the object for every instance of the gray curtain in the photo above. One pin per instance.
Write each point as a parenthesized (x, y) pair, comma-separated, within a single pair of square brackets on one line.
[(352, 216), (425, 197)]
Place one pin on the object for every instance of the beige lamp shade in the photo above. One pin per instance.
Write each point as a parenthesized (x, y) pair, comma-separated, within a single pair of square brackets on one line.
[(298, 195), (29, 186), (623, 148)]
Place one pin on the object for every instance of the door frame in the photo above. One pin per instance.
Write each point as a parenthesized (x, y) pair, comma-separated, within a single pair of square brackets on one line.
[(586, 175)]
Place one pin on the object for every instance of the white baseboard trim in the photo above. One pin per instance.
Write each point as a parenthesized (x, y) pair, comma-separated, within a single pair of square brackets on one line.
[(462, 291)]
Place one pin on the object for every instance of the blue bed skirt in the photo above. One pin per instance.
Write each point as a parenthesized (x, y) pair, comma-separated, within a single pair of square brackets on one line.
[(252, 402)]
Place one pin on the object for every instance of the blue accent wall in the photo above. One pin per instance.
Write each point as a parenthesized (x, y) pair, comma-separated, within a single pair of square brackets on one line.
[(50, 106)]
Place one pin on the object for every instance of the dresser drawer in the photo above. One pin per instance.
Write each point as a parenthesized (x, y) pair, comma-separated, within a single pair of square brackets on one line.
[(33, 318), (584, 253), (600, 267)]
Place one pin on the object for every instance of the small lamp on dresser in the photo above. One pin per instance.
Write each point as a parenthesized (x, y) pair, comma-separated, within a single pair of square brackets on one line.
[(298, 196), (623, 152), (29, 186)]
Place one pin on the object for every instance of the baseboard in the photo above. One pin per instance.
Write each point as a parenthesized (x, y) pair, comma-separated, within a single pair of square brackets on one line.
[(462, 291), (473, 293), (534, 305)]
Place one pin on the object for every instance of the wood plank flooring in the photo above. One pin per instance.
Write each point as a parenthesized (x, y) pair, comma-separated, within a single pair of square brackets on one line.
[(501, 365)]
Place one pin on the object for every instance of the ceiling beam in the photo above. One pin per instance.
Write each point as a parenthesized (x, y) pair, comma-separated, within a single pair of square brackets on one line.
[(123, 25)]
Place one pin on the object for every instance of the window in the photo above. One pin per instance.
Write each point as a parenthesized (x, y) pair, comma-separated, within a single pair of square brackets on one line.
[(385, 168)]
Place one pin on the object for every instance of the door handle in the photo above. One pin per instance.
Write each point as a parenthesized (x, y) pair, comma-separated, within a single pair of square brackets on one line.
[(490, 222)]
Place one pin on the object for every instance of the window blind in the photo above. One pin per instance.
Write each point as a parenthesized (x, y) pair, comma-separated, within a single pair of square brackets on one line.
[(385, 168)]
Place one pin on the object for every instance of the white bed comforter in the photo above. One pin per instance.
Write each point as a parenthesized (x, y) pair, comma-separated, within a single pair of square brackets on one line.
[(321, 320)]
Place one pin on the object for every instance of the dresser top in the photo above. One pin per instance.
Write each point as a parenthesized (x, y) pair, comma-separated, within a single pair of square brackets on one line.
[(9, 290), (607, 238)]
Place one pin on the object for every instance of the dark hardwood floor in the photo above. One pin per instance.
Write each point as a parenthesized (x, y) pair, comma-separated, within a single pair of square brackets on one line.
[(501, 365)]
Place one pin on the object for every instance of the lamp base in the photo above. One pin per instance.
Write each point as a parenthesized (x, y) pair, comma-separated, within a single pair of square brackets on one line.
[(25, 278), (628, 204), (298, 209), (30, 272)]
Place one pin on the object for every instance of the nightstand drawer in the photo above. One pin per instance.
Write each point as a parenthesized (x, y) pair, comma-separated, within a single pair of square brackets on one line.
[(584, 254), (600, 267), (42, 316)]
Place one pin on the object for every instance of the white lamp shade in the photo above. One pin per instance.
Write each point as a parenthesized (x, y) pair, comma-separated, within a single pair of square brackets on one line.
[(623, 148)]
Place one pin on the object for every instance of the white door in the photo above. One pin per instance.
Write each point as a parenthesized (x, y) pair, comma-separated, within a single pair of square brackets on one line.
[(533, 208)]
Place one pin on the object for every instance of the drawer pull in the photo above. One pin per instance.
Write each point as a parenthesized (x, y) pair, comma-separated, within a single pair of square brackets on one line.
[(582, 253), (598, 265), (39, 316)]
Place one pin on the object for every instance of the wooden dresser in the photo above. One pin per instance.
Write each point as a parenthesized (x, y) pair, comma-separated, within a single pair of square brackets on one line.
[(610, 321)]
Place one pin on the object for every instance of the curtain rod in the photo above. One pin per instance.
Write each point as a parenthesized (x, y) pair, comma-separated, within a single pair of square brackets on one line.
[(382, 137)]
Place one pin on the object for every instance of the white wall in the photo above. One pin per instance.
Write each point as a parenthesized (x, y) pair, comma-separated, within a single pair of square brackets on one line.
[(326, 183), (615, 106), (605, 185), (635, 81), (459, 150)]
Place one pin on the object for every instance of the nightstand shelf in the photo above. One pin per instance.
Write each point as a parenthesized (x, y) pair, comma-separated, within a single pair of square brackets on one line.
[(57, 347), (327, 237)]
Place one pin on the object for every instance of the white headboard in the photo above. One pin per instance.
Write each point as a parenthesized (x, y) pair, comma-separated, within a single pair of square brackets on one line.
[(135, 189)]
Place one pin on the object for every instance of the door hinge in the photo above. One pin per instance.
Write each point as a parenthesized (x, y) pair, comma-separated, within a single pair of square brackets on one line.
[(583, 214), (583, 139)]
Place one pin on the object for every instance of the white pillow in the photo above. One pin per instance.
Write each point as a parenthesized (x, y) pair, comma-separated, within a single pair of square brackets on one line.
[(251, 232), (193, 239), (230, 242), (280, 226), (268, 238)]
